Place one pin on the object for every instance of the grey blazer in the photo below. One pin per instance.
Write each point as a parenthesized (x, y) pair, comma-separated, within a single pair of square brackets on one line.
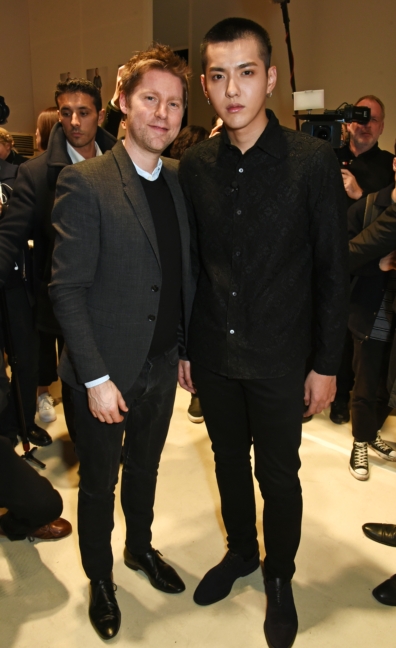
[(105, 263)]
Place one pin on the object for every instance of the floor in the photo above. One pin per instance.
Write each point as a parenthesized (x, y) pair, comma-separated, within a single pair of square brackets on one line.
[(44, 594)]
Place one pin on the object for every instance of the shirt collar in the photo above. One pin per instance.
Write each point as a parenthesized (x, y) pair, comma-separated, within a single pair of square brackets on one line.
[(271, 140), (75, 155), (149, 176)]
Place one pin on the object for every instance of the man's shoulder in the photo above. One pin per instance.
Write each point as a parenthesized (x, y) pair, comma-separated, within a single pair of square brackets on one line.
[(203, 151), (90, 168)]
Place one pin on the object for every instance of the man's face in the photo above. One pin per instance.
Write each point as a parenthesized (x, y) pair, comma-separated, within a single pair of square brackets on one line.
[(364, 136), (154, 111), (237, 83), (79, 118)]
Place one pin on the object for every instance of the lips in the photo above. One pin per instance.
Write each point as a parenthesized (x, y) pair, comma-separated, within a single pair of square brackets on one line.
[(159, 128), (234, 108)]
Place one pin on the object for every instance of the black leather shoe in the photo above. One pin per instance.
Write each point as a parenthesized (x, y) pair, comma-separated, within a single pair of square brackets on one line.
[(281, 622), (339, 412), (383, 533), (386, 592), (38, 436), (161, 575), (218, 581), (104, 612)]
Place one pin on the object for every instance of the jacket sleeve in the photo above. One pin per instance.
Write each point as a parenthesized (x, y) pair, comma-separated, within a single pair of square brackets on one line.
[(76, 218), (17, 222), (329, 240), (375, 241)]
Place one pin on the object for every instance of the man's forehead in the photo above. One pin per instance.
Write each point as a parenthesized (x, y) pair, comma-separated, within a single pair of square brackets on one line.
[(373, 105), (157, 80), (241, 48), (75, 99)]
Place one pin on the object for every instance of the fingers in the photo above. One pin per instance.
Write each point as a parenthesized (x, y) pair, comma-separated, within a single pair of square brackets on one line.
[(105, 401), (184, 376)]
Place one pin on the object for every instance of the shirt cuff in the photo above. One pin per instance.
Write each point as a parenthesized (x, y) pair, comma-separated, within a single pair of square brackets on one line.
[(98, 381)]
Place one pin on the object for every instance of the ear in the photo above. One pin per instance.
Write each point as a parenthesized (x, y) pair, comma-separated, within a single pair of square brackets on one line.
[(101, 116), (203, 84), (59, 117), (123, 103), (272, 76)]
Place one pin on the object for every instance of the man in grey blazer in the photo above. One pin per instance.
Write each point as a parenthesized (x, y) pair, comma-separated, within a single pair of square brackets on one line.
[(121, 291)]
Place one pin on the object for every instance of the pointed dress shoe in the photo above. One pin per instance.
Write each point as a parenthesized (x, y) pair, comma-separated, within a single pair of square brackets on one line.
[(383, 533), (281, 622), (161, 575), (104, 612), (218, 581), (386, 592), (38, 436)]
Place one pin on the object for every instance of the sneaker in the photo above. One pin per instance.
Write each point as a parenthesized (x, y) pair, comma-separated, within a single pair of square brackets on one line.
[(194, 412), (218, 581), (45, 408), (358, 465), (382, 449)]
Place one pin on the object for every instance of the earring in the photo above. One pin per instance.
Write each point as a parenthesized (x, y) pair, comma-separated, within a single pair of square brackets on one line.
[(208, 100), (269, 95)]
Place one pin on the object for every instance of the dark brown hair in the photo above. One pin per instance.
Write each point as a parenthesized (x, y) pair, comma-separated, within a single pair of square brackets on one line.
[(159, 57), (79, 85), (45, 121), (187, 137), (231, 29)]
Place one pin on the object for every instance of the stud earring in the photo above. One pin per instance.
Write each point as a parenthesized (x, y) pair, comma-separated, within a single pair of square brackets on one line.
[(269, 94), (208, 100)]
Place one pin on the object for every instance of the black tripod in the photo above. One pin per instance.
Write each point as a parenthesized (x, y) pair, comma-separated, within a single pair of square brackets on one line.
[(12, 359)]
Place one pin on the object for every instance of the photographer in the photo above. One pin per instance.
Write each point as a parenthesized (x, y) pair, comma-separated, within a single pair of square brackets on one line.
[(365, 168)]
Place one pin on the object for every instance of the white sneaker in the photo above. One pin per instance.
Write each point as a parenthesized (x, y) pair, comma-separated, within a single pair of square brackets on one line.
[(45, 407)]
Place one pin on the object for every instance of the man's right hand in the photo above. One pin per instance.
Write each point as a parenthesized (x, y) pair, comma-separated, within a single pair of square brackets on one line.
[(388, 262), (105, 402)]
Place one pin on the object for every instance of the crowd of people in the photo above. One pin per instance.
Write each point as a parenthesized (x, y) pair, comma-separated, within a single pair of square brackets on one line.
[(229, 272)]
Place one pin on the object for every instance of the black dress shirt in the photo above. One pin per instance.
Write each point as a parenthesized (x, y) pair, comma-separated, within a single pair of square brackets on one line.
[(267, 226), (373, 169)]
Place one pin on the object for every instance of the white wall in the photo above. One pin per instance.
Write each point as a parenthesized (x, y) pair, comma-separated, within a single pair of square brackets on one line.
[(47, 37)]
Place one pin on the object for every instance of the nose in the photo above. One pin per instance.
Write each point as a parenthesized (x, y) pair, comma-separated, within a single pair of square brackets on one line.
[(161, 110), (232, 89), (75, 120)]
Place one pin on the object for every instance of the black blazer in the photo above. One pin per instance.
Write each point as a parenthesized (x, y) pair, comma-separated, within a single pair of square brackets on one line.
[(105, 262)]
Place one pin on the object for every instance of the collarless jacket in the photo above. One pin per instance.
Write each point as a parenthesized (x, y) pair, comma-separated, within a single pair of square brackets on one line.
[(106, 275), (29, 216)]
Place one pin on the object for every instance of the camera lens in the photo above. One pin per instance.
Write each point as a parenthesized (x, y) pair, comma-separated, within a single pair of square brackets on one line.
[(324, 133)]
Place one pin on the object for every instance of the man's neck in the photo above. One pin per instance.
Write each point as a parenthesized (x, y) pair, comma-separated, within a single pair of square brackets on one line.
[(88, 151), (358, 150), (245, 138), (146, 160)]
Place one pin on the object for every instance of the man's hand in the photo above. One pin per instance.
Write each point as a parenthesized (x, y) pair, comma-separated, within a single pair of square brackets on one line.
[(319, 392), (116, 96), (388, 262), (105, 401), (184, 376), (350, 185)]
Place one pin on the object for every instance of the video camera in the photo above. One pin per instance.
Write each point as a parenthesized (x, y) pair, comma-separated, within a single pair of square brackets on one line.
[(4, 111), (328, 124)]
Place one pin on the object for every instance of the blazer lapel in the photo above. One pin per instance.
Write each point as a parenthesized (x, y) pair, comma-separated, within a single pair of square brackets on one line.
[(171, 178), (135, 193)]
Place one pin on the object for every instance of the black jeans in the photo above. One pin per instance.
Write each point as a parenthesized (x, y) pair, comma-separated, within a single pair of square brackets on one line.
[(370, 397), (48, 357), (30, 499), (267, 414), (98, 447), (345, 374)]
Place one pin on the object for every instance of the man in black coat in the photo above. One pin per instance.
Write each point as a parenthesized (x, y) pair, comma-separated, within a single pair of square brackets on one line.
[(75, 138)]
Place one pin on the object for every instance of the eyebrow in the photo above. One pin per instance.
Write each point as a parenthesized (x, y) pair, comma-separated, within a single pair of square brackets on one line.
[(241, 66), (78, 108)]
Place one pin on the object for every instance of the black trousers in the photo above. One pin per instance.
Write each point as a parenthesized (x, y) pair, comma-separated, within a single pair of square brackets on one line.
[(267, 414), (30, 499), (25, 343), (345, 374), (98, 447), (48, 357), (370, 397)]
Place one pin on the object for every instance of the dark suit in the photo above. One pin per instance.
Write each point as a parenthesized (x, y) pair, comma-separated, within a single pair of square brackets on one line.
[(106, 274)]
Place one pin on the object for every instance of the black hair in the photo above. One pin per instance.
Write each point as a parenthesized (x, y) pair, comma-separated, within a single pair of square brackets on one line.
[(232, 29), (79, 85)]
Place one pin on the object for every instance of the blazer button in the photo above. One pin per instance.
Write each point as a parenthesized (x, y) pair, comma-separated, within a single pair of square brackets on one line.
[(151, 318), (154, 288)]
